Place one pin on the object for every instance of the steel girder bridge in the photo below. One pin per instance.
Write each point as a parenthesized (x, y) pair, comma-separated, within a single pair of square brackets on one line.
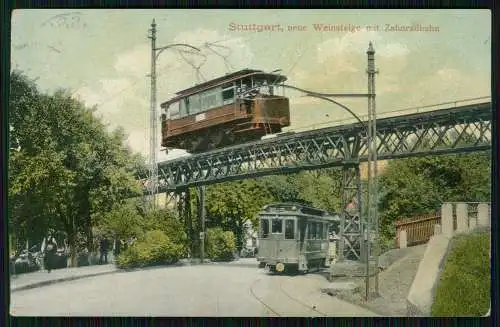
[(457, 129)]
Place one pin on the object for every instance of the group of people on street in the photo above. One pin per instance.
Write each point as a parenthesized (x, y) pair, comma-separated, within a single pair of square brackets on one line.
[(104, 249), (49, 249)]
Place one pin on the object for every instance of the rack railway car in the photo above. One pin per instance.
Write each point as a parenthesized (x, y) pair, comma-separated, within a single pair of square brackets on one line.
[(294, 237), (232, 109)]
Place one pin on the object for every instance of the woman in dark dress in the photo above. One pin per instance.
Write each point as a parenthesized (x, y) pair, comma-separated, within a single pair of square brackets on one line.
[(50, 252)]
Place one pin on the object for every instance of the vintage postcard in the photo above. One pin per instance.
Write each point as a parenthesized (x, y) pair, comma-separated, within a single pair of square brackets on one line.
[(264, 162)]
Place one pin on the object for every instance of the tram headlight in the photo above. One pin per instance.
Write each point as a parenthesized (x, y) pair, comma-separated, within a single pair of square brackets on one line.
[(294, 208)]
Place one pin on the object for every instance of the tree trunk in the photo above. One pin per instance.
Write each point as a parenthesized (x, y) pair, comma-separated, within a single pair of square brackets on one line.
[(239, 235), (72, 249), (90, 237)]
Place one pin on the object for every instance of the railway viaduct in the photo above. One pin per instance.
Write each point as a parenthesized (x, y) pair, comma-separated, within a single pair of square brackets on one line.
[(458, 127)]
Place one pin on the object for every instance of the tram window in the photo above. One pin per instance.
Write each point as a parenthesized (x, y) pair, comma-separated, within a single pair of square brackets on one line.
[(312, 231), (289, 229), (183, 110), (208, 101), (320, 231), (264, 228), (277, 226), (228, 94), (195, 103), (173, 111)]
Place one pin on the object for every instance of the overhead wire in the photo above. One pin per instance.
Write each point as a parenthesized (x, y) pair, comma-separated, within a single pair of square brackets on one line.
[(196, 68), (228, 65), (294, 65)]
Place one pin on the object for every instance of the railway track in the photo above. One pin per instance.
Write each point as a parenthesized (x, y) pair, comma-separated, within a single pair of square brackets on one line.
[(282, 290), (260, 300)]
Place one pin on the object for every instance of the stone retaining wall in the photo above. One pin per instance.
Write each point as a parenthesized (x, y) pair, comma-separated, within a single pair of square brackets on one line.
[(422, 291)]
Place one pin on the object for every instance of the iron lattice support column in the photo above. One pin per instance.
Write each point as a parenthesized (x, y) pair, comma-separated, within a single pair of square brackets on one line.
[(170, 199), (180, 204), (184, 207), (202, 214), (186, 215), (350, 218)]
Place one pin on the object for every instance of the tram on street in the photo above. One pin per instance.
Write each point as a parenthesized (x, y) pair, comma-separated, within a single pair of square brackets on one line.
[(294, 237)]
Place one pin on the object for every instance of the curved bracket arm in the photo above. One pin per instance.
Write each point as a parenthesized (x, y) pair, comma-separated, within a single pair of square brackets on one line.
[(323, 96), (340, 105), (161, 49)]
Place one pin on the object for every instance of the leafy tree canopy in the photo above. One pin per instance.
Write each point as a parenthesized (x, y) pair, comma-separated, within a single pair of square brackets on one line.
[(64, 167), (414, 186)]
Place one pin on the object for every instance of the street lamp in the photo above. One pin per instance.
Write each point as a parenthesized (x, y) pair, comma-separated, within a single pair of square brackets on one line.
[(153, 117)]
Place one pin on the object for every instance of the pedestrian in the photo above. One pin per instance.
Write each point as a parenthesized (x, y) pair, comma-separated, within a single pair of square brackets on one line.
[(49, 248), (104, 250), (117, 248)]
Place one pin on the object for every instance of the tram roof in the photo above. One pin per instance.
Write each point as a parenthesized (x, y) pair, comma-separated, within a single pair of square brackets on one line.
[(224, 79), (304, 209)]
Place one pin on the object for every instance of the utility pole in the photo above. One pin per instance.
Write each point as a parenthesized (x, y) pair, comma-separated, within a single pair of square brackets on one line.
[(153, 122), (372, 169), (153, 115)]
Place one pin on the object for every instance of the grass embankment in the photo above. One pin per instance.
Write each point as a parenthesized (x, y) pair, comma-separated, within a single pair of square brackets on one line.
[(464, 286)]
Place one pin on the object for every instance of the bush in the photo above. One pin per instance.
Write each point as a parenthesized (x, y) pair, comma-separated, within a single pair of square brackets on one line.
[(464, 286), (167, 222), (123, 222), (155, 248), (220, 245)]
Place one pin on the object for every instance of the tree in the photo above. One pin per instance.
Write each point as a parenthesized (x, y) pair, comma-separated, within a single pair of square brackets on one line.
[(230, 205), (317, 188), (282, 188), (66, 168), (415, 186), (123, 221)]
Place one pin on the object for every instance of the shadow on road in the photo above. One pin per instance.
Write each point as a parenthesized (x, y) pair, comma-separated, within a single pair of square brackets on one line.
[(323, 272)]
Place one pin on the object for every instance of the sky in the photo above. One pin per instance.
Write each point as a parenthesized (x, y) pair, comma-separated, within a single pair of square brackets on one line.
[(104, 57)]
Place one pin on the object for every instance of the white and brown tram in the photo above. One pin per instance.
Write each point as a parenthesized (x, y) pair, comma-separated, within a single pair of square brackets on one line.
[(233, 109)]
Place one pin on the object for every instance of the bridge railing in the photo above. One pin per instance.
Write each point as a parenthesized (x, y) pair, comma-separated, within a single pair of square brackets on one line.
[(394, 113), (438, 131), (419, 229)]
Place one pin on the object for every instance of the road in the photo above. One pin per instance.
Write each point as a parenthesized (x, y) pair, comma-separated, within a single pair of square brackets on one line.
[(204, 290)]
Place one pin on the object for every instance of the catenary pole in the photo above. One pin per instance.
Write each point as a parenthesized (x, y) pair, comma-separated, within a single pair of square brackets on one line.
[(153, 122)]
